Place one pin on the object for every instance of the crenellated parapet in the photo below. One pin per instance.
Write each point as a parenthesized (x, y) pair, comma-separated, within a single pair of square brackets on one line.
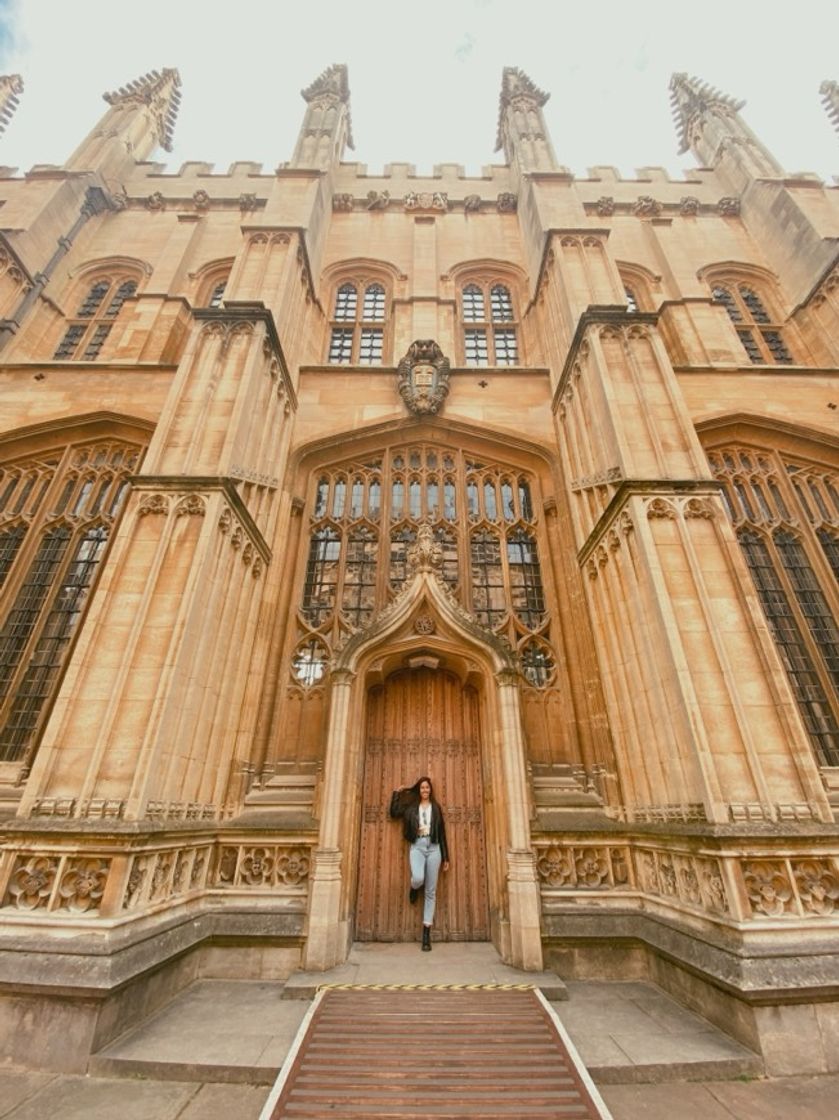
[(11, 86)]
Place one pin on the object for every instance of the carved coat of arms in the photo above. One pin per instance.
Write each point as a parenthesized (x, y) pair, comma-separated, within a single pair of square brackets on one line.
[(424, 377)]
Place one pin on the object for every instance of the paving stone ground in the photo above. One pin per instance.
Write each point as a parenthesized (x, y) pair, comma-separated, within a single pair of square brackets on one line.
[(212, 1053)]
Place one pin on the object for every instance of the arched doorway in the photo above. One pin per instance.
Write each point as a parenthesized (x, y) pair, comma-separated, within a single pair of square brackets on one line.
[(422, 721)]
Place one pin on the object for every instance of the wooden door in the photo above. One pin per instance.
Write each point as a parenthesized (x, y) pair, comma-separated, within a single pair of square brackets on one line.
[(422, 721)]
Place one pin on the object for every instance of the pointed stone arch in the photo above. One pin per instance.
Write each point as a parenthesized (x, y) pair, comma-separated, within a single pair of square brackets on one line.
[(387, 643)]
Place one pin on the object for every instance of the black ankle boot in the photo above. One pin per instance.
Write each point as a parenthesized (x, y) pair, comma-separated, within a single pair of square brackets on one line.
[(426, 939)]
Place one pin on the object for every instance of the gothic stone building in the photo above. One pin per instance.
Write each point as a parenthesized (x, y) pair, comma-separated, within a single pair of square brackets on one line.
[(313, 481)]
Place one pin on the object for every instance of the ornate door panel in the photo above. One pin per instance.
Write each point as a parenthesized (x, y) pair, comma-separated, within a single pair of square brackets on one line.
[(422, 721)]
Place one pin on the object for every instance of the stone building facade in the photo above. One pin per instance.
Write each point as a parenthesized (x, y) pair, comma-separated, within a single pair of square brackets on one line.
[(313, 481)]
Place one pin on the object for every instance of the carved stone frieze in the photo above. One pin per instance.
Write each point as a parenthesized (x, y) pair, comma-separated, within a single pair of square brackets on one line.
[(378, 200), (729, 207), (201, 200), (605, 206), (157, 504), (342, 203), (267, 866), (646, 207), (155, 201), (472, 203), (689, 206), (769, 888), (426, 200), (507, 202)]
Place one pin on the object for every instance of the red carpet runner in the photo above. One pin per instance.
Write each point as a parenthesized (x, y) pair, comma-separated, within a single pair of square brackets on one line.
[(401, 1052)]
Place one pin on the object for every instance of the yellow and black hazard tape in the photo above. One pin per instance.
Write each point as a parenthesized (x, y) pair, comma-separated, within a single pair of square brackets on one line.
[(426, 987)]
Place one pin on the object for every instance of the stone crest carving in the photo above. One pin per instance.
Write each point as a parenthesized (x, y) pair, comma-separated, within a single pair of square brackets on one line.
[(424, 377), (426, 200)]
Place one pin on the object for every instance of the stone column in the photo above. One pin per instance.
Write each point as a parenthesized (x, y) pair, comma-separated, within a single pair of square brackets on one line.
[(328, 933), (524, 949)]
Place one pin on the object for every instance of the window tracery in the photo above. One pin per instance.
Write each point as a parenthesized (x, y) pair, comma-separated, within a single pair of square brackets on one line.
[(490, 325), (57, 512), (87, 331), (786, 515), (357, 332), (760, 333), (364, 519)]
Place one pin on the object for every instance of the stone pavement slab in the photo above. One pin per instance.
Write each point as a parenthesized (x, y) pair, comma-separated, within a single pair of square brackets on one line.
[(17, 1086), (73, 1097), (632, 1031), (794, 1098), (215, 1030)]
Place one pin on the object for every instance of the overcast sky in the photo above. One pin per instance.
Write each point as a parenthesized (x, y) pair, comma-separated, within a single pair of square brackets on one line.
[(425, 75)]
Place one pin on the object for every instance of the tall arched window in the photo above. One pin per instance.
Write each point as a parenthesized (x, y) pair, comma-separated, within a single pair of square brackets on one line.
[(490, 324), (357, 332), (364, 519), (786, 514), (758, 329), (57, 511), (85, 335)]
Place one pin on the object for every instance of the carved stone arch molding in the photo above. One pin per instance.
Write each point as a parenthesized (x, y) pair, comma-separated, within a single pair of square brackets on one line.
[(424, 621)]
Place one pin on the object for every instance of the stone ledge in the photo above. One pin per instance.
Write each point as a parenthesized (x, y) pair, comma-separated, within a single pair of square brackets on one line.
[(801, 972)]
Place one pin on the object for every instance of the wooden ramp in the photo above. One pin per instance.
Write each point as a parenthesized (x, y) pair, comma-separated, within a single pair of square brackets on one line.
[(456, 1051)]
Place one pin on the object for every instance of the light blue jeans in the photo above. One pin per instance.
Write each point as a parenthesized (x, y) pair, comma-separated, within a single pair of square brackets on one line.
[(425, 860)]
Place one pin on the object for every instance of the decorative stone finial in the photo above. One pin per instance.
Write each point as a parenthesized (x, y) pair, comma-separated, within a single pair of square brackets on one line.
[(333, 83), (425, 554), (11, 86), (515, 84), (159, 90), (691, 97), (830, 100)]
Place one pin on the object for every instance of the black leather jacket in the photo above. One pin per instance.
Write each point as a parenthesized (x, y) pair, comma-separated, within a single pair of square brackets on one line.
[(410, 825)]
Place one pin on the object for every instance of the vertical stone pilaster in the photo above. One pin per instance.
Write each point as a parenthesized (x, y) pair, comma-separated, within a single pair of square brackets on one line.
[(703, 721)]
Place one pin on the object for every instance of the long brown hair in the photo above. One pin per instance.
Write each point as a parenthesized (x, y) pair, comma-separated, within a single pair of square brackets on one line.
[(411, 796)]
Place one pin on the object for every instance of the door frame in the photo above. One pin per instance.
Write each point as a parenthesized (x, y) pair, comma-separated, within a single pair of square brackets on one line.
[(425, 620)]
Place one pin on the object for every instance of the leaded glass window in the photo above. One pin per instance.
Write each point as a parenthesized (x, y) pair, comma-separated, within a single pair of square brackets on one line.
[(364, 520), (56, 516), (485, 343), (84, 338), (788, 527), (760, 335), (357, 334)]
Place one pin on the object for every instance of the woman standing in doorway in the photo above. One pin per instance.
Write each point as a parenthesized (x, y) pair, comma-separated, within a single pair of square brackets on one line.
[(425, 830)]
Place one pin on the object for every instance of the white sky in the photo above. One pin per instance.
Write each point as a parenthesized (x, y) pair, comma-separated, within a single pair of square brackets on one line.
[(424, 75)]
